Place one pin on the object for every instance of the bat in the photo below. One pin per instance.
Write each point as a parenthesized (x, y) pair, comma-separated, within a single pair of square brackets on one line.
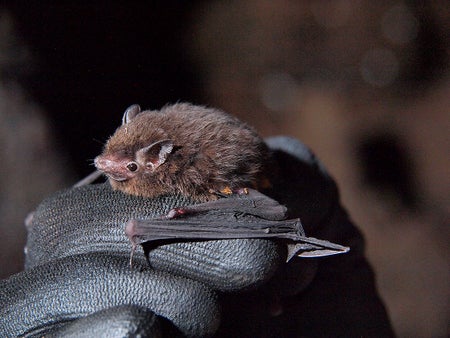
[(182, 149), (211, 157)]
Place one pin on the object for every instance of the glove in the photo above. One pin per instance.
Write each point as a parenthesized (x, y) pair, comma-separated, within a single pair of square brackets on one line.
[(78, 281), (76, 242)]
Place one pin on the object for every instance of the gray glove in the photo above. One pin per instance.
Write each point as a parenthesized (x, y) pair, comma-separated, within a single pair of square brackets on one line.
[(76, 243), (78, 281)]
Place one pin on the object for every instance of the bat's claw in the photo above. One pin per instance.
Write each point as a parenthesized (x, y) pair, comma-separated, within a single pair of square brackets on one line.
[(314, 250), (130, 231), (133, 249), (227, 191), (176, 212), (242, 191)]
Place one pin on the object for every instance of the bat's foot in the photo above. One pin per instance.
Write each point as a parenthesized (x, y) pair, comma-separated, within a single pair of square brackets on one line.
[(242, 191), (227, 191)]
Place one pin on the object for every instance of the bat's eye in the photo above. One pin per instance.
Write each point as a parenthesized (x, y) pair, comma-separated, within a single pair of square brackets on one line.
[(132, 166)]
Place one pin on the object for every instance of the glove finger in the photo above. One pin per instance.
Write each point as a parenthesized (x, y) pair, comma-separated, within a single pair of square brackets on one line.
[(76, 286)]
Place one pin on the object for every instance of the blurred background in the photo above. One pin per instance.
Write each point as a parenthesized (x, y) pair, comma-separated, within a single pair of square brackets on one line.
[(366, 84)]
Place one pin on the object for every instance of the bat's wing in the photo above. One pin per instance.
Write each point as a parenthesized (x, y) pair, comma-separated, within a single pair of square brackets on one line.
[(250, 215), (210, 227), (252, 202)]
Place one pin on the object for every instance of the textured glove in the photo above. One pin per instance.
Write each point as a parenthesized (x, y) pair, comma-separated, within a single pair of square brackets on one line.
[(76, 243)]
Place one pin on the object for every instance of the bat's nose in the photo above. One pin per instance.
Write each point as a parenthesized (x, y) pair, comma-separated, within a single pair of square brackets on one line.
[(112, 168), (102, 163)]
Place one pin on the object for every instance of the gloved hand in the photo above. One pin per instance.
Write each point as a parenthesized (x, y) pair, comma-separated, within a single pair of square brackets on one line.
[(78, 281), (77, 251)]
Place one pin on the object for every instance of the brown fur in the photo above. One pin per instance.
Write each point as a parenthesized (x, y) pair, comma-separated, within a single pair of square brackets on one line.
[(211, 151)]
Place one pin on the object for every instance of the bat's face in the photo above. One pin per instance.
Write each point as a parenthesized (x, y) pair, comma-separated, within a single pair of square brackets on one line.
[(123, 166), (133, 155), (118, 168)]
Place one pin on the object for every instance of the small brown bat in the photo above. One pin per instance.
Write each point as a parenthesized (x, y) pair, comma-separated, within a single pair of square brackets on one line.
[(186, 149), (201, 153)]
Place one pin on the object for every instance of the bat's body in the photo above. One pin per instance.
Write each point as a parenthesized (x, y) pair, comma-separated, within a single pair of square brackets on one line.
[(184, 149), (200, 152)]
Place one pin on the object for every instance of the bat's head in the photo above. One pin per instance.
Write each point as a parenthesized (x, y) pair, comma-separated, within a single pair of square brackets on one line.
[(123, 165), (182, 148), (129, 162)]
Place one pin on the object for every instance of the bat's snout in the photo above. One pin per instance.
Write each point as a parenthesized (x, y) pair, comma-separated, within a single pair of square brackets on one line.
[(113, 168)]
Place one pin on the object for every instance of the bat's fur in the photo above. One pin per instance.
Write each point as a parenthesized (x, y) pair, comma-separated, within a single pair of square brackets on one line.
[(211, 151)]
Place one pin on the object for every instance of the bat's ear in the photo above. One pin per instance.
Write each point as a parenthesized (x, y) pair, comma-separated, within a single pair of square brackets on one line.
[(130, 113), (155, 154)]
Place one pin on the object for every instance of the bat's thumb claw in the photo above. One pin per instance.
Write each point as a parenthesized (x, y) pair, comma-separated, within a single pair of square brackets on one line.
[(130, 230), (133, 249)]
